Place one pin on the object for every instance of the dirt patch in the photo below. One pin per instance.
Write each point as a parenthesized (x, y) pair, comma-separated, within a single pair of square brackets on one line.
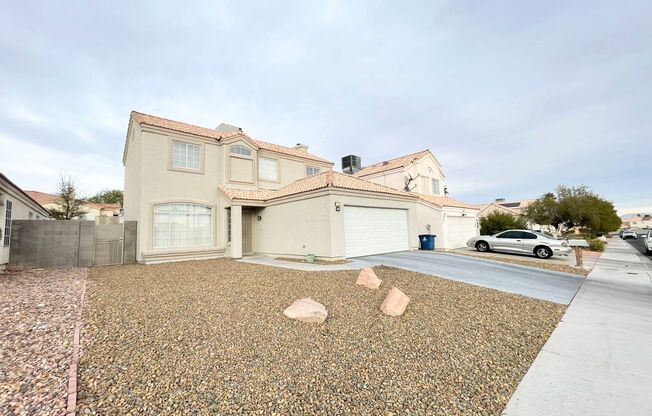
[(541, 264), (37, 317), (317, 261), (210, 337)]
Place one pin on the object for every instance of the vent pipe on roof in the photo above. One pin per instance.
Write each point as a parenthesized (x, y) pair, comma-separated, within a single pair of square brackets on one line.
[(301, 147), (499, 200)]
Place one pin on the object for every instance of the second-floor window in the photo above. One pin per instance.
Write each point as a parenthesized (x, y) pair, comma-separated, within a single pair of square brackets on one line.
[(267, 169), (240, 150), (312, 170), (435, 186), (186, 155)]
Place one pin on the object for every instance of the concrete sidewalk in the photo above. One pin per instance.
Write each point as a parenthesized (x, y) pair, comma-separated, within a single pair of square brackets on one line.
[(598, 361)]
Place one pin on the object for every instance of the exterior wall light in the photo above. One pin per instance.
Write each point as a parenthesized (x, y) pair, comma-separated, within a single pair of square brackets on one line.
[(338, 206), (259, 218)]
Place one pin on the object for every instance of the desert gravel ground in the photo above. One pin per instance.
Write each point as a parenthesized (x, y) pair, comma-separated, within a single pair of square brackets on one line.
[(210, 337), (541, 264), (37, 317)]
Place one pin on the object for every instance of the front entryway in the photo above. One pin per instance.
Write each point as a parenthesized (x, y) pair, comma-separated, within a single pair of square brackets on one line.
[(247, 247), (374, 230)]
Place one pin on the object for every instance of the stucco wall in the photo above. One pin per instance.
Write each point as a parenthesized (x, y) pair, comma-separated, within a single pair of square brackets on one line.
[(21, 208), (294, 228), (429, 215)]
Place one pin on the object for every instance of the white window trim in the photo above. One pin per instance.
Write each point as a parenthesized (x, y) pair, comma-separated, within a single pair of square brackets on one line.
[(169, 245), (171, 165), (316, 170), (249, 153)]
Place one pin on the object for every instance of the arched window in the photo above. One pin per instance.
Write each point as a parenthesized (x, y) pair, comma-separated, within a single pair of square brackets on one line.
[(240, 150), (181, 225)]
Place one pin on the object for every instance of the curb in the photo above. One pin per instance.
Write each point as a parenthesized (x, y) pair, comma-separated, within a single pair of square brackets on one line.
[(71, 407)]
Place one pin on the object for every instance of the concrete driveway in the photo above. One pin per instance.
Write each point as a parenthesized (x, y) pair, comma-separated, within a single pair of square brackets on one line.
[(537, 283)]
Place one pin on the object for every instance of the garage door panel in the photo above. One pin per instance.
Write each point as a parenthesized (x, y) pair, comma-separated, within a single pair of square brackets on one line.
[(374, 230), (460, 229)]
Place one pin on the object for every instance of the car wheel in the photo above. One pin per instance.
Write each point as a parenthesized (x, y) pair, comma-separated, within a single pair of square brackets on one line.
[(543, 252), (482, 246)]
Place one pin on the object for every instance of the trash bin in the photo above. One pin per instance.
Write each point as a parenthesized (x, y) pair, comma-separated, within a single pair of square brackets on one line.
[(427, 241)]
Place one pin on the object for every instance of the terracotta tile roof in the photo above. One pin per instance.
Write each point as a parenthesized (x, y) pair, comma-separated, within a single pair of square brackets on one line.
[(399, 162), (25, 193), (97, 205), (323, 180), (482, 207), (444, 201), (165, 123), (42, 197)]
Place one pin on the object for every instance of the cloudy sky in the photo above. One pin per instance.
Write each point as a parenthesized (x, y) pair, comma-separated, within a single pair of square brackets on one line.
[(513, 99)]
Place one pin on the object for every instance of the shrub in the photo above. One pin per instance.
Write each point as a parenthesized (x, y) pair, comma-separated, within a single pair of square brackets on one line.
[(499, 221), (596, 245)]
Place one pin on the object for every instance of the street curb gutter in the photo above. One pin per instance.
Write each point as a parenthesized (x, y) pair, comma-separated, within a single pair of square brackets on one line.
[(74, 362)]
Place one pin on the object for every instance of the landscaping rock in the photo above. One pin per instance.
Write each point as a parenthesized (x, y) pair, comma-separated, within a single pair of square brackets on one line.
[(368, 278), (395, 303), (306, 310)]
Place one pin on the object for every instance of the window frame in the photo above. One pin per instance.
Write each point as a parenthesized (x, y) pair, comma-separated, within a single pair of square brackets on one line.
[(169, 246), (248, 155), (278, 168), (9, 207), (187, 143), (434, 189), (317, 168)]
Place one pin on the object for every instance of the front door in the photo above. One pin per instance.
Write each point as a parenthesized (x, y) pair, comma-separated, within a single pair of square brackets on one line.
[(246, 233)]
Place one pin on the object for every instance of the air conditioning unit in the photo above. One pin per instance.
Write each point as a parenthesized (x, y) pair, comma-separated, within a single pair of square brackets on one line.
[(351, 164)]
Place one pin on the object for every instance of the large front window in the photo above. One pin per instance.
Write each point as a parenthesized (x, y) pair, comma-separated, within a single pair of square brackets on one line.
[(181, 225)]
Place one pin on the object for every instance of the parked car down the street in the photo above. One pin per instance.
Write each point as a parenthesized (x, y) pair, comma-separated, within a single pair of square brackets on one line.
[(522, 242), (647, 242), (625, 234)]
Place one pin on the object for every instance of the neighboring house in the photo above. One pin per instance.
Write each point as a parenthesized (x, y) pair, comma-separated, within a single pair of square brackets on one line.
[(15, 204), (100, 213), (197, 192), (454, 222), (643, 221), (492, 207)]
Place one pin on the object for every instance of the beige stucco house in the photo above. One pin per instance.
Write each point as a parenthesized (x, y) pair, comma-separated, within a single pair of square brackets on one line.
[(15, 204), (198, 192)]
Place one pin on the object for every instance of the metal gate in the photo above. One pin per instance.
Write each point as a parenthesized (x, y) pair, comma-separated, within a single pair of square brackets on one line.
[(109, 240)]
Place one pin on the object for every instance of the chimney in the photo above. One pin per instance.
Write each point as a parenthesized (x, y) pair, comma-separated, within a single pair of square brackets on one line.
[(351, 164), (500, 200), (228, 128), (301, 147)]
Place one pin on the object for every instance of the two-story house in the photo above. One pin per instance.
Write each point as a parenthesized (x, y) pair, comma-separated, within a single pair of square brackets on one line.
[(198, 193)]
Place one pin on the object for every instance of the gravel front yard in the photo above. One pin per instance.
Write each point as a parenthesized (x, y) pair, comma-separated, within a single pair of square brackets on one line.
[(210, 337), (37, 317)]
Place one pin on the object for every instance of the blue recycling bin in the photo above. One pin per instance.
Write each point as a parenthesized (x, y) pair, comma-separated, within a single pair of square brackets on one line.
[(427, 241)]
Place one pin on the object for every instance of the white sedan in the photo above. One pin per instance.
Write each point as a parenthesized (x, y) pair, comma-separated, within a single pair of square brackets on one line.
[(521, 241)]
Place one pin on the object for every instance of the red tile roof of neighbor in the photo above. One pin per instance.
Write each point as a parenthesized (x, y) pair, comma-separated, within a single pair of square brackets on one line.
[(179, 126), (42, 197), (26, 193), (327, 179), (399, 162), (444, 201)]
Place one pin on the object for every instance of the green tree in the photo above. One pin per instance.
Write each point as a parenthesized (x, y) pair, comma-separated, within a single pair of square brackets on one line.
[(574, 208), (108, 196), (70, 206), (500, 221)]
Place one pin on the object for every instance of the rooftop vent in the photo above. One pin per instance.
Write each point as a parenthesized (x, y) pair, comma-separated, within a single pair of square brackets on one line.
[(499, 200), (351, 164)]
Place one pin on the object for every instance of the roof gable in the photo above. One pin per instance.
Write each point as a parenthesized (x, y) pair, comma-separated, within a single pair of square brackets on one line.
[(329, 179), (399, 162), (218, 135)]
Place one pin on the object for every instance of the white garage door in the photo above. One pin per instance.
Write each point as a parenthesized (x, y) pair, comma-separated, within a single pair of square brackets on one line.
[(374, 230), (460, 229)]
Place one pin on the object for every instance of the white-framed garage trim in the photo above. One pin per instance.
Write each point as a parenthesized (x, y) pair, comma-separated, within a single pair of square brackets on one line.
[(370, 231)]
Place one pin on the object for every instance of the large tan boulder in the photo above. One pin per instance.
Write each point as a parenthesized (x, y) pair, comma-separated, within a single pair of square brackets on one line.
[(368, 278), (306, 310), (395, 303)]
